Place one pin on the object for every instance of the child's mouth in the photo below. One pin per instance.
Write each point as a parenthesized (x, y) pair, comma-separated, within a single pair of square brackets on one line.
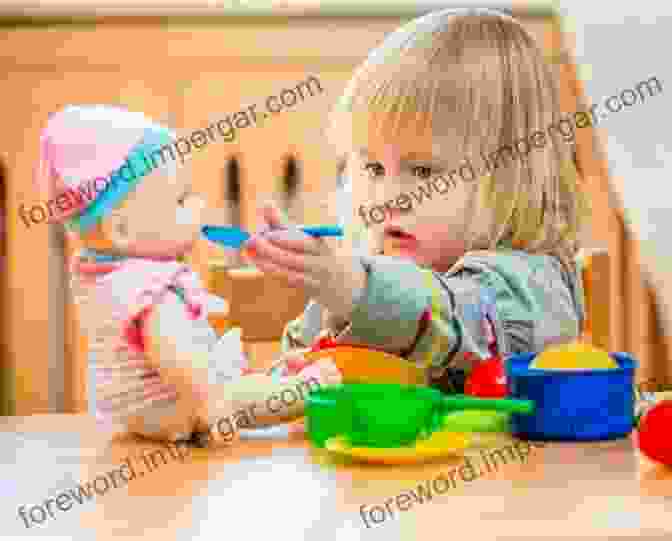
[(396, 232), (398, 238)]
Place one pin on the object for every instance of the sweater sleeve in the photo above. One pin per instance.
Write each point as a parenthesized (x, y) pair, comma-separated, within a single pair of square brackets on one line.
[(442, 321), (421, 315)]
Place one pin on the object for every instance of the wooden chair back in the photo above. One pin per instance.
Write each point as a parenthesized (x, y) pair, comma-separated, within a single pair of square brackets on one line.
[(260, 305), (596, 275)]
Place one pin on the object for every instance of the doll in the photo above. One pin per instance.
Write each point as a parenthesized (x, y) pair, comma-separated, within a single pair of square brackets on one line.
[(155, 365)]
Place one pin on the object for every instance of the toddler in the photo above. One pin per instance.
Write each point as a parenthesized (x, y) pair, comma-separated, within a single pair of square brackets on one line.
[(156, 366), (486, 258)]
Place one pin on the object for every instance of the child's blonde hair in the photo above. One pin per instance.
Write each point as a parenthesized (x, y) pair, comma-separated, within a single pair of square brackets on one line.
[(478, 76)]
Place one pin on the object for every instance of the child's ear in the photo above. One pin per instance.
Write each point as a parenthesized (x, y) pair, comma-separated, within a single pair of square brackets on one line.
[(116, 228)]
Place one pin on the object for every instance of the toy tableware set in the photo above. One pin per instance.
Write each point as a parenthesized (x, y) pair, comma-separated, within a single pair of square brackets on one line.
[(383, 412)]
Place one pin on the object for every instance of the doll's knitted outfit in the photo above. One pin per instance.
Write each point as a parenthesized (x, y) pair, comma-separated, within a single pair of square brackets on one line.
[(114, 299)]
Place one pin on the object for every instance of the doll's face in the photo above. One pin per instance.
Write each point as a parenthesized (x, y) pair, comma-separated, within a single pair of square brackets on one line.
[(162, 218)]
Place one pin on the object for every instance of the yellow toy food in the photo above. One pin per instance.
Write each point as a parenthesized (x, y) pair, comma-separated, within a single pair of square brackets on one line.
[(574, 356)]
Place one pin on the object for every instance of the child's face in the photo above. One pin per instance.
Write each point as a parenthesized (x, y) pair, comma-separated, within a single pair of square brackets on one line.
[(428, 230), (164, 216)]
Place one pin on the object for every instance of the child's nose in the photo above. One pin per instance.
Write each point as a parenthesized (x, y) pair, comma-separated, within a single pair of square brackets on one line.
[(393, 210), (392, 168), (391, 160)]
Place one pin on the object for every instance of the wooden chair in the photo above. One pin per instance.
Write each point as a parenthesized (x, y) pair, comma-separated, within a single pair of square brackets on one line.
[(596, 275), (250, 294)]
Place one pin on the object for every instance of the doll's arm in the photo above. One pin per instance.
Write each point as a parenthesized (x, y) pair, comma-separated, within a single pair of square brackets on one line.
[(184, 363), (260, 400), (172, 347)]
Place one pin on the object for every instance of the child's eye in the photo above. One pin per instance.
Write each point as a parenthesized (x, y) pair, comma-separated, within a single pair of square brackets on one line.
[(373, 169), (423, 171)]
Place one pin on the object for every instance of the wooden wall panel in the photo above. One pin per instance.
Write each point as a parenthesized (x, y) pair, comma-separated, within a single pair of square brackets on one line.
[(29, 281), (606, 230), (4, 314), (152, 48), (188, 76), (31, 285), (640, 331)]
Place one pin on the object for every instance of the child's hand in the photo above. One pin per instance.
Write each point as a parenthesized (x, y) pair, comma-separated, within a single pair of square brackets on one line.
[(290, 363), (334, 280), (324, 371)]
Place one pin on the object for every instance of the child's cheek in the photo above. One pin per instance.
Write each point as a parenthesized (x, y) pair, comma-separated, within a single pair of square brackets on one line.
[(431, 232), (438, 243)]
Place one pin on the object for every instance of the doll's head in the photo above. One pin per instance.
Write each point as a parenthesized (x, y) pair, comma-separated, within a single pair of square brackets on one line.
[(113, 186), (435, 129)]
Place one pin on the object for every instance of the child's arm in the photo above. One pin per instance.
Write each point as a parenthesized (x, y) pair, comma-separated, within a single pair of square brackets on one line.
[(451, 319), (438, 320)]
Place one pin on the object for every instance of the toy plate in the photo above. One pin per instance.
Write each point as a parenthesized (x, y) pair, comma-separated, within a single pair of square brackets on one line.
[(440, 444)]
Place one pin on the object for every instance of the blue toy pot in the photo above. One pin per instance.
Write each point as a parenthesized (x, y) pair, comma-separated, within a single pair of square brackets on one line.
[(573, 405)]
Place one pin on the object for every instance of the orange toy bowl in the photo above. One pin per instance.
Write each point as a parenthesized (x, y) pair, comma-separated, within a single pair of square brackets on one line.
[(364, 365)]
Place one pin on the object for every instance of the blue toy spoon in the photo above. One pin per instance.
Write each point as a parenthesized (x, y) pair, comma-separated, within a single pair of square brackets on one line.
[(234, 237)]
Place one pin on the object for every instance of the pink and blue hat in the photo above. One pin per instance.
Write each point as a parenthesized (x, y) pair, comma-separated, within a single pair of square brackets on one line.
[(97, 145)]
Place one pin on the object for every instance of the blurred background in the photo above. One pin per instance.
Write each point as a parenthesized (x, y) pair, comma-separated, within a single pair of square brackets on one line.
[(189, 64)]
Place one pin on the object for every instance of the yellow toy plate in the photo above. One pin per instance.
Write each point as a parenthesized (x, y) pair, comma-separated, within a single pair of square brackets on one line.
[(576, 356), (363, 365), (438, 445)]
